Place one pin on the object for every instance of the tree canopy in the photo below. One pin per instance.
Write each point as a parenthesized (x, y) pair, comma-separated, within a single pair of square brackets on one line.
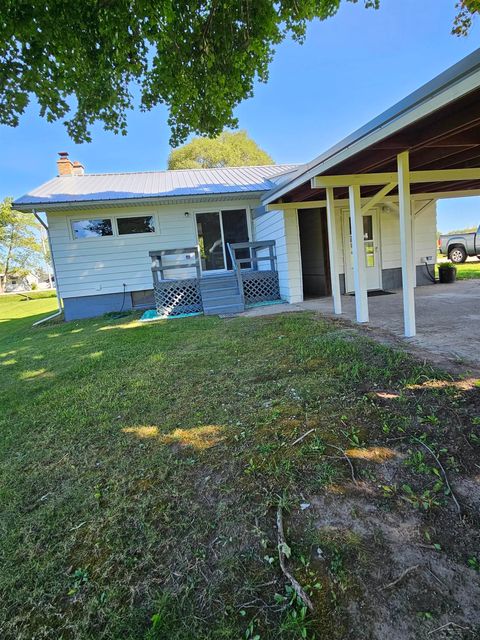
[(83, 60), (229, 149)]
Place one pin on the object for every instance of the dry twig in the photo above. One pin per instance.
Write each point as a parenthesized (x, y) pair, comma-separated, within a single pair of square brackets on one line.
[(281, 556), (344, 454), (401, 577), (307, 433), (449, 624)]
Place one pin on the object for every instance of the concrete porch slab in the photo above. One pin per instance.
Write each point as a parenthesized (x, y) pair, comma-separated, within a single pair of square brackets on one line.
[(448, 319)]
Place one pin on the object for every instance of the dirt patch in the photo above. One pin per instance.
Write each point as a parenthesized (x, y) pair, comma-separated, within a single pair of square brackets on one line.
[(440, 590)]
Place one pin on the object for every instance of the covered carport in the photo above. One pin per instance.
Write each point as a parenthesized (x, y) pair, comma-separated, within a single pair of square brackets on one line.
[(426, 146)]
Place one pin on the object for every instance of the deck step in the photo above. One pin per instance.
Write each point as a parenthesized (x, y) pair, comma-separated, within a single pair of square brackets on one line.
[(223, 291), (222, 284), (220, 300), (221, 295), (224, 308)]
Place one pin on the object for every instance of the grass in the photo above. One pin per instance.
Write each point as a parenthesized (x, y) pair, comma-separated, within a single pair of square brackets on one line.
[(467, 270), (141, 466)]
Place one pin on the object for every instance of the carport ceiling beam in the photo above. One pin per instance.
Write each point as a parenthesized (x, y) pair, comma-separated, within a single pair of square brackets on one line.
[(378, 197), (289, 206), (367, 179)]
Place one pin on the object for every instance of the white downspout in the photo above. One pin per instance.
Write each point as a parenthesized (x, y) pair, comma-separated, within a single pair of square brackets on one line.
[(60, 305)]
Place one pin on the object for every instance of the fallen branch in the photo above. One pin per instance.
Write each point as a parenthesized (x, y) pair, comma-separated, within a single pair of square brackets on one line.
[(347, 459), (401, 577), (281, 556), (457, 504), (445, 626), (307, 433)]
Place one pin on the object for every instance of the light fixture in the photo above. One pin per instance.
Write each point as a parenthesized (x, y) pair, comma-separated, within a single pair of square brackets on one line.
[(186, 214)]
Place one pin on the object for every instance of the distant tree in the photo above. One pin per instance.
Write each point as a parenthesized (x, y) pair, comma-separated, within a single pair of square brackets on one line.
[(20, 249), (230, 149), (465, 230)]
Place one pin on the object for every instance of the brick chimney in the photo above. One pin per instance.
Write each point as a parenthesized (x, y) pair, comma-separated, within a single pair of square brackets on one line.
[(78, 168), (64, 164)]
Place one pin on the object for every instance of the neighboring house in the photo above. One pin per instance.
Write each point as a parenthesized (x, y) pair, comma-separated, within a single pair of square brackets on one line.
[(360, 217), (21, 282)]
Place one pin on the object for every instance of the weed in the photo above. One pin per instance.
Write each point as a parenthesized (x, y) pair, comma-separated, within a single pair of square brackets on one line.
[(79, 578), (353, 436), (425, 500), (250, 632)]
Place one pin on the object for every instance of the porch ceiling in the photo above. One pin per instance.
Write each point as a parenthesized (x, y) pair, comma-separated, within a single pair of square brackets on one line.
[(448, 138)]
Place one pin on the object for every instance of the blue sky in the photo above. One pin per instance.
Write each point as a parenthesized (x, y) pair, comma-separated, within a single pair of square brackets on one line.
[(351, 68)]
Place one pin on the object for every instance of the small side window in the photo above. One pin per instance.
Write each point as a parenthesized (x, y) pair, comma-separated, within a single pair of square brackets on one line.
[(137, 224), (92, 228)]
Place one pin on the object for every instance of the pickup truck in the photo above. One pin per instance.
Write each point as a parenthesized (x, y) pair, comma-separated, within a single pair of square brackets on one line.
[(458, 246)]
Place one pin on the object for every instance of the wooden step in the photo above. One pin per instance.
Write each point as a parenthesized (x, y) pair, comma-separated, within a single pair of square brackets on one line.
[(225, 308)]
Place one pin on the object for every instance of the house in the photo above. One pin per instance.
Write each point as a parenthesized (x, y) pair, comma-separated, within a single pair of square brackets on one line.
[(21, 281), (360, 217)]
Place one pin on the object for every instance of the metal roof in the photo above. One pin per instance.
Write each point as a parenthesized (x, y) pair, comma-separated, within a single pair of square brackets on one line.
[(111, 187), (460, 79)]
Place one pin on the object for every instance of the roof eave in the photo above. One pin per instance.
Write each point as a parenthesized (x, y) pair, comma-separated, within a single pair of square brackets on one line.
[(453, 83), (27, 207)]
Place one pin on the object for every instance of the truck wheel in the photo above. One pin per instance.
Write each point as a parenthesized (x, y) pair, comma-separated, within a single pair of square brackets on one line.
[(457, 255)]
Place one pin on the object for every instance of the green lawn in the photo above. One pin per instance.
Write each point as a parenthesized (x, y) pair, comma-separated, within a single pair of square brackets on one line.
[(467, 270), (141, 467)]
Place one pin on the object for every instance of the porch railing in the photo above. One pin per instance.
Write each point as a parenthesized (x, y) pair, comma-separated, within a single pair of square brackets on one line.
[(263, 286), (176, 296), (159, 267)]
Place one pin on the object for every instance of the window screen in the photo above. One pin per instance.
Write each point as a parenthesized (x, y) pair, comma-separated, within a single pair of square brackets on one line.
[(92, 228), (138, 224)]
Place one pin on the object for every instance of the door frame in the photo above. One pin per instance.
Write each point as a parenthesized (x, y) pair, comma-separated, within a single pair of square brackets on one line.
[(212, 271), (348, 266), (220, 212)]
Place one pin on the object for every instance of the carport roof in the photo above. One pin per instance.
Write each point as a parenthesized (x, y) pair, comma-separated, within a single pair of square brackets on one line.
[(439, 124)]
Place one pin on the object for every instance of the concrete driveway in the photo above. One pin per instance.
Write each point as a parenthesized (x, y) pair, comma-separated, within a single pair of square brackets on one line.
[(448, 319)]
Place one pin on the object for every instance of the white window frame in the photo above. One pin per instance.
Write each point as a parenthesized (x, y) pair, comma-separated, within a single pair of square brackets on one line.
[(95, 238), (138, 235), (113, 219)]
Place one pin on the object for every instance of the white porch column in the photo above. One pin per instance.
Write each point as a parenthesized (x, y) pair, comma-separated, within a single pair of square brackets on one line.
[(359, 273), (406, 244), (332, 251)]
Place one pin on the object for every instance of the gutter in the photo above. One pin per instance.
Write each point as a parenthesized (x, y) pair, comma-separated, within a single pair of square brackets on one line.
[(107, 203), (59, 300)]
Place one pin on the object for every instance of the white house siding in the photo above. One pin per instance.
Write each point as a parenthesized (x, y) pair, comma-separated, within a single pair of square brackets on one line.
[(103, 265), (282, 227), (424, 226)]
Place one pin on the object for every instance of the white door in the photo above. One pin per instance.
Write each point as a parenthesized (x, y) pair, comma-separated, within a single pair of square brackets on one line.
[(370, 251)]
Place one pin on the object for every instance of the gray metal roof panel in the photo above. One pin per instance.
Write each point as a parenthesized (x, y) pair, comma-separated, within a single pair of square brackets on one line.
[(155, 184)]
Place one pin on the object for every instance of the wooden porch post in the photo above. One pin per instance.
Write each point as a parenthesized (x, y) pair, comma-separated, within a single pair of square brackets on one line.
[(406, 244), (332, 251), (359, 273)]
